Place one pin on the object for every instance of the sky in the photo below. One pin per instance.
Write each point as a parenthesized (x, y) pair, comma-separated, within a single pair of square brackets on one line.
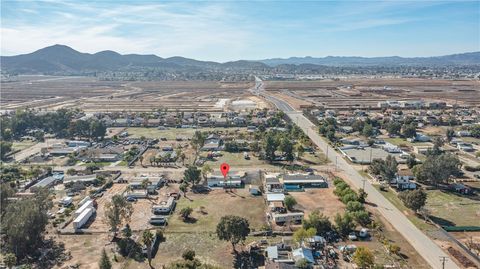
[(232, 30)]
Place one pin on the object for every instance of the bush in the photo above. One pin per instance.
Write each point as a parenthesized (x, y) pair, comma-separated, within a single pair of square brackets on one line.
[(353, 206)]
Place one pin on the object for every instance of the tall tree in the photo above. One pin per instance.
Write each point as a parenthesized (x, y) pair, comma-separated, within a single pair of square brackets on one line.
[(10, 260), (320, 222), (438, 168), (147, 239), (290, 202), (363, 258), (302, 233), (414, 200), (192, 175), (270, 146), (116, 211), (286, 147), (344, 224), (233, 229), (24, 222), (104, 261)]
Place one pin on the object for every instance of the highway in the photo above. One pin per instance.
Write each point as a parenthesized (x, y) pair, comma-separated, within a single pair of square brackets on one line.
[(423, 244)]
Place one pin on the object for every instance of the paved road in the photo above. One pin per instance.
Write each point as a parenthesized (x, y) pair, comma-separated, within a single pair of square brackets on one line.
[(423, 244)]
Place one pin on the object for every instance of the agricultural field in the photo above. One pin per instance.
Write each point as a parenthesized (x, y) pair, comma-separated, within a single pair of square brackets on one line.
[(173, 133)]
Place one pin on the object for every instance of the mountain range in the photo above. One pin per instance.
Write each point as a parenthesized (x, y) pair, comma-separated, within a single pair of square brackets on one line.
[(61, 59)]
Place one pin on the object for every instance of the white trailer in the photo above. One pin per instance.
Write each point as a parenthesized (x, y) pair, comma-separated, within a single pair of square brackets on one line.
[(84, 200), (66, 201), (88, 204), (83, 218)]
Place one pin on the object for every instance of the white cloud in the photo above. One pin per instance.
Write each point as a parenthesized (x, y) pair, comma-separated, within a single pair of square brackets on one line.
[(166, 30)]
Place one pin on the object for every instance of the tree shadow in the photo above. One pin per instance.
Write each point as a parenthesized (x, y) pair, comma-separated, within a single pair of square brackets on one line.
[(50, 254), (247, 260), (190, 220)]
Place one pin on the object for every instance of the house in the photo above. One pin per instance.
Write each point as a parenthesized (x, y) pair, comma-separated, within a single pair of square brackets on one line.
[(460, 188), (212, 143), (84, 179), (165, 207), (465, 147), (233, 180), (47, 182), (281, 218), (315, 242), (272, 183), (464, 133), (303, 253), (277, 254), (297, 182), (78, 144), (403, 179)]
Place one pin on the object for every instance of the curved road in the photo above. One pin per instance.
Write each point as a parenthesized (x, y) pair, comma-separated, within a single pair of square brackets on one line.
[(430, 251)]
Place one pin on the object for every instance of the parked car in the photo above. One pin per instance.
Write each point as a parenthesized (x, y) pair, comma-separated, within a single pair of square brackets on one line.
[(352, 236), (131, 199)]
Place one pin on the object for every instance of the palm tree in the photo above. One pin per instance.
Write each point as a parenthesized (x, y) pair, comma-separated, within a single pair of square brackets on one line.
[(147, 239)]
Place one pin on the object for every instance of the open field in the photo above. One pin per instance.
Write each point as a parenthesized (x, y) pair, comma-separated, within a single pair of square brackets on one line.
[(92, 95), (173, 133), (452, 209), (367, 92), (209, 208)]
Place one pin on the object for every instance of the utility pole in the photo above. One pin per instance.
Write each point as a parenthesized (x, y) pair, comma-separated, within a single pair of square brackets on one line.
[(443, 259)]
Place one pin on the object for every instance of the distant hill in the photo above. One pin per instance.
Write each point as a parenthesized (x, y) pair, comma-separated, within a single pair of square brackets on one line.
[(470, 58), (61, 59)]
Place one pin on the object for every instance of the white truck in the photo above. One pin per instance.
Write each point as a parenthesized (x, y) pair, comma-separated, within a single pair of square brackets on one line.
[(66, 201), (83, 218)]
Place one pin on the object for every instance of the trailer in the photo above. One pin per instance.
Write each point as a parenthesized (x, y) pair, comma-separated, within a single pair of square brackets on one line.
[(83, 218), (84, 200), (165, 207), (88, 204)]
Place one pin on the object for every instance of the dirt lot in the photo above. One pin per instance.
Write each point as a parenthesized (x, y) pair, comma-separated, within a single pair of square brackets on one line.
[(368, 92), (321, 199)]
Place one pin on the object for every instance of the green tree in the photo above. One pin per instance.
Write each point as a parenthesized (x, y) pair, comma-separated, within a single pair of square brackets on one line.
[(10, 260), (414, 200), (188, 255), (353, 206), (192, 175), (183, 188), (362, 195), (233, 229), (127, 232), (206, 169), (24, 222), (117, 211), (367, 130), (5, 148), (344, 224), (147, 239), (290, 202), (361, 217), (411, 161), (270, 146), (363, 258), (409, 130), (450, 134), (185, 213), (394, 128), (302, 264), (438, 168), (302, 233), (318, 221), (286, 147), (300, 150), (104, 261)]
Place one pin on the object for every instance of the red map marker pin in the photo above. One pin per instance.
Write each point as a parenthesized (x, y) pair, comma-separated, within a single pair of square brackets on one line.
[(224, 167)]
